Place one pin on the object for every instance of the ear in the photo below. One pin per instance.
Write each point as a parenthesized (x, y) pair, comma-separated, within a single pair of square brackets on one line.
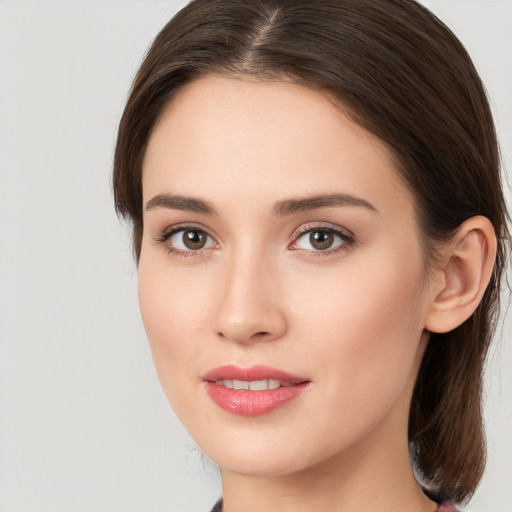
[(460, 281)]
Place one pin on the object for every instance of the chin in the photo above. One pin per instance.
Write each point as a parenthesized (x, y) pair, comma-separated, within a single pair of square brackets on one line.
[(264, 456), (258, 464)]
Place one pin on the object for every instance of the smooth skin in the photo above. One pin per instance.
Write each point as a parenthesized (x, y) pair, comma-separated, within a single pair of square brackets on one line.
[(231, 273)]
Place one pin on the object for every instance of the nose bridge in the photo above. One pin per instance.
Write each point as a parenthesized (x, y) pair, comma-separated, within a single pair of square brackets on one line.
[(248, 306)]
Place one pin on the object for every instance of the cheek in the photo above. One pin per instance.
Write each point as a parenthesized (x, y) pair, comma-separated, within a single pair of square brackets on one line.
[(365, 324), (171, 304)]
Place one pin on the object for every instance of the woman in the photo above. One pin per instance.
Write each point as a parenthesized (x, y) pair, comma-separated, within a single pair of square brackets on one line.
[(320, 230)]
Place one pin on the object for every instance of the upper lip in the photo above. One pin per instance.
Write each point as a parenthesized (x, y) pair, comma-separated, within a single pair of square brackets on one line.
[(251, 373)]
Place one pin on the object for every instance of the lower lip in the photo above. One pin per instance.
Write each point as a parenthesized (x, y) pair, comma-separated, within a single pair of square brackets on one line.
[(252, 403)]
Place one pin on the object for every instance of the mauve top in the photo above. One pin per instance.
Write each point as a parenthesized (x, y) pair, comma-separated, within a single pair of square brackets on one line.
[(441, 507)]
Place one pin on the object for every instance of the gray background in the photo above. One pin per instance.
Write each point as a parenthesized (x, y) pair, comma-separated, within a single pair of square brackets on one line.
[(84, 424)]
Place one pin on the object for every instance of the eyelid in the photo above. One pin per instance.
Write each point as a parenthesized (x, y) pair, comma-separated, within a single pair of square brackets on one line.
[(345, 234), (170, 231), (327, 226), (175, 228)]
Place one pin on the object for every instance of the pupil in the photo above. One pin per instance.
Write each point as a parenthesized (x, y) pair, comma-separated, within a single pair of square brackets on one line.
[(321, 240), (194, 239)]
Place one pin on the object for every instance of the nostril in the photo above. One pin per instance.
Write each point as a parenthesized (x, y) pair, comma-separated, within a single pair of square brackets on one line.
[(249, 325), (260, 334), (241, 337)]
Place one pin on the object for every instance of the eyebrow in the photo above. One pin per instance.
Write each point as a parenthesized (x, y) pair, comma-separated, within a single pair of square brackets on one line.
[(280, 209), (290, 206), (174, 202)]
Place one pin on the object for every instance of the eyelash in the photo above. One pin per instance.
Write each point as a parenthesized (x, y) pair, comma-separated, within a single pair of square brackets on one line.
[(164, 237), (346, 237)]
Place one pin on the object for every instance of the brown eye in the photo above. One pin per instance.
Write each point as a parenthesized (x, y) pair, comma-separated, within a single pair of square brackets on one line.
[(188, 240), (194, 240), (321, 240)]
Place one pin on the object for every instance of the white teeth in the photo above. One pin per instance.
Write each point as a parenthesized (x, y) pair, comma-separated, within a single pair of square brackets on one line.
[(258, 385), (253, 385), (273, 384)]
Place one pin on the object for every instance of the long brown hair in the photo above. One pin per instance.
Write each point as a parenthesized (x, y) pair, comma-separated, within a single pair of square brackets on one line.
[(402, 75)]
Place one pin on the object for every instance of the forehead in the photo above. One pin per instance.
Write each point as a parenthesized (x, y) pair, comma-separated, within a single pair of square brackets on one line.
[(222, 136)]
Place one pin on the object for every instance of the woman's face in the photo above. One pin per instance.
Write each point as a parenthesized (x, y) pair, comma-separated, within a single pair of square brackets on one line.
[(280, 254)]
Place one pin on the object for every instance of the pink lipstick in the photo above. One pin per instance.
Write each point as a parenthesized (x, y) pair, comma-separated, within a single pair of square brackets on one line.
[(254, 390)]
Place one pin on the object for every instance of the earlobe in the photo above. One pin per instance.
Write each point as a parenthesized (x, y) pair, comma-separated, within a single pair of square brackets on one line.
[(463, 276)]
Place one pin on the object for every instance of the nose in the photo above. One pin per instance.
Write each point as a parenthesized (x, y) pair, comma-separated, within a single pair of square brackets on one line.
[(249, 306)]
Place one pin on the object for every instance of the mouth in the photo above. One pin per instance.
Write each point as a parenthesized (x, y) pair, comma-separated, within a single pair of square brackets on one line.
[(253, 385), (252, 391)]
